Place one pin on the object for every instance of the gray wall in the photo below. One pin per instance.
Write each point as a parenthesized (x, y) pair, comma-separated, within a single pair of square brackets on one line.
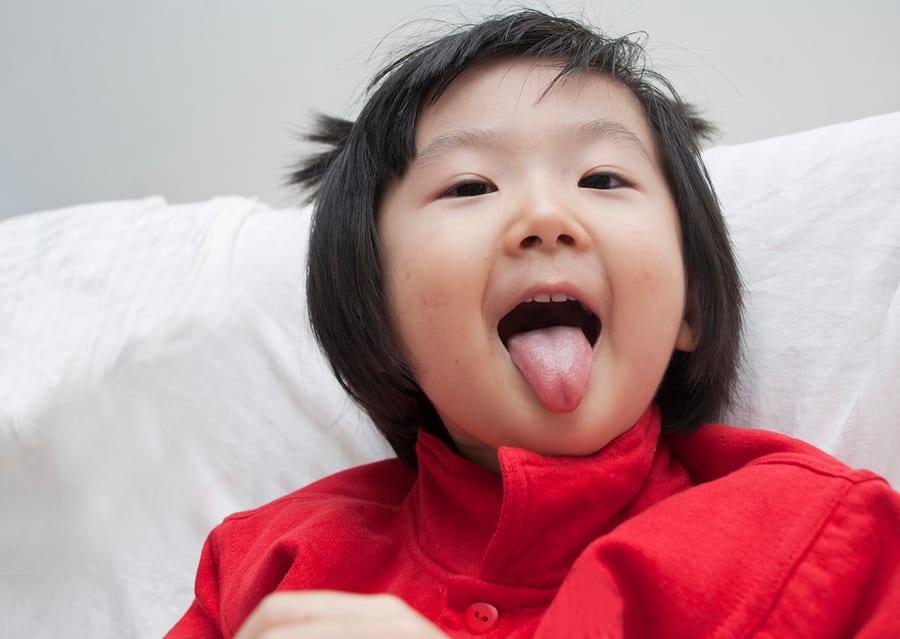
[(190, 99)]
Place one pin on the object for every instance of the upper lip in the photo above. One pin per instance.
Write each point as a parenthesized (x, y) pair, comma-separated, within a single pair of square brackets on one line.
[(554, 291), (546, 292)]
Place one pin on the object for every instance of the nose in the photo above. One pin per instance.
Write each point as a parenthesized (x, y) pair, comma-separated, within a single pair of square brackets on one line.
[(545, 223)]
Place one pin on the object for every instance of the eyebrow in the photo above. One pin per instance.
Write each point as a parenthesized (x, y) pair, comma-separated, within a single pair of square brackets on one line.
[(601, 129), (481, 139), (488, 139)]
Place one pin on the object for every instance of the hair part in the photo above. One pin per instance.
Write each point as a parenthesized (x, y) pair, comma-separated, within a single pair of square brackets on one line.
[(348, 305)]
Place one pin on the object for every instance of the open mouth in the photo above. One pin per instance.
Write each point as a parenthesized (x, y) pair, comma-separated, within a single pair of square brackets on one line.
[(533, 315)]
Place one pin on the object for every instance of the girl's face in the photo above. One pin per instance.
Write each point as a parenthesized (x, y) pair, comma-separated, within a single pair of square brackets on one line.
[(522, 193)]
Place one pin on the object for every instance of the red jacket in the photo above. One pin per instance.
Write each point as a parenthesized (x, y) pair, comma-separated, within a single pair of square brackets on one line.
[(723, 533)]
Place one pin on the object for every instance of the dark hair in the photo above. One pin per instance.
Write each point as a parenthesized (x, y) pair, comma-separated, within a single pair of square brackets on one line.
[(348, 305)]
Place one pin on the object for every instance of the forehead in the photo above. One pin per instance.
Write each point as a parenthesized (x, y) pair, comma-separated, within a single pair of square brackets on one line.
[(519, 94)]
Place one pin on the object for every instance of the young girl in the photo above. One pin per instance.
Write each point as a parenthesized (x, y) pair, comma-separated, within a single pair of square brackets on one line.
[(519, 269)]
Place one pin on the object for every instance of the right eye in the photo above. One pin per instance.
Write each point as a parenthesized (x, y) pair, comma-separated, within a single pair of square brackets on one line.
[(469, 189)]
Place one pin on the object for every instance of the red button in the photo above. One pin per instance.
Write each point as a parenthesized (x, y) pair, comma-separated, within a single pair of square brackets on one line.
[(481, 617)]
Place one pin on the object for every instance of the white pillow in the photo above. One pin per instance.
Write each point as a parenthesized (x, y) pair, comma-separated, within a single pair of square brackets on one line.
[(157, 374), (815, 219), (157, 370)]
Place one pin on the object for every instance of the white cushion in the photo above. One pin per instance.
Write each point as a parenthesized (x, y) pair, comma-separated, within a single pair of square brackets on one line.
[(815, 219), (157, 374)]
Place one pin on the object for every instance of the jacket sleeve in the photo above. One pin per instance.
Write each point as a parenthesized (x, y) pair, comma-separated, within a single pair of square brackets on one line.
[(838, 578), (848, 585), (201, 621)]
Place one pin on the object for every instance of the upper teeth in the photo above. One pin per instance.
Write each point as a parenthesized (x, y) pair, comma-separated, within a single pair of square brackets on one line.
[(552, 297)]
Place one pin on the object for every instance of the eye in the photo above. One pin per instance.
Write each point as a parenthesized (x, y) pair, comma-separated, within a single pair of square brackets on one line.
[(601, 181), (469, 189)]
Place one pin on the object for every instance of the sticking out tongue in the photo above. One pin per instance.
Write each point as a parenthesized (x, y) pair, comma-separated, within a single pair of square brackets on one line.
[(556, 362)]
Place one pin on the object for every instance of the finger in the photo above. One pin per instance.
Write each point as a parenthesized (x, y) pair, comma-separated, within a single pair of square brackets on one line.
[(303, 608), (277, 609), (404, 627)]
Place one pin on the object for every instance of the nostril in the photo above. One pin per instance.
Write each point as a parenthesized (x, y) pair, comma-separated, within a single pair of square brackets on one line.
[(535, 240)]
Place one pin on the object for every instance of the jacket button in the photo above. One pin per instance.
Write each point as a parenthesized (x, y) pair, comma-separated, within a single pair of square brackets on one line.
[(481, 617)]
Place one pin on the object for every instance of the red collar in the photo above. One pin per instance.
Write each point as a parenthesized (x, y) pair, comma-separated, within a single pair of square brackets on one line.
[(527, 525)]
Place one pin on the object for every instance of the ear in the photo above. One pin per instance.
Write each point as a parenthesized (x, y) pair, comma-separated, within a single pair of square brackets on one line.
[(685, 340)]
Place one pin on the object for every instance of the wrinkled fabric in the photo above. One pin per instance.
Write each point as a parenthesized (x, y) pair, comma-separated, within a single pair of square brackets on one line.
[(723, 533)]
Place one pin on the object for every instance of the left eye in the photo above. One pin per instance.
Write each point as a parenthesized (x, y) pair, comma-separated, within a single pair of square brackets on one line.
[(601, 181), (468, 189)]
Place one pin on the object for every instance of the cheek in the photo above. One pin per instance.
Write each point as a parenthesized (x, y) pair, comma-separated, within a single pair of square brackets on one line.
[(418, 285), (442, 326), (651, 253), (648, 282), (427, 304)]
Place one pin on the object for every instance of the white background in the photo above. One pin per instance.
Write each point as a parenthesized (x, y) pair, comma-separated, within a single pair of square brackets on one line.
[(112, 99)]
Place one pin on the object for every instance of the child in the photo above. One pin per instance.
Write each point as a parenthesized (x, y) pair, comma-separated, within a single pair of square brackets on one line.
[(519, 269)]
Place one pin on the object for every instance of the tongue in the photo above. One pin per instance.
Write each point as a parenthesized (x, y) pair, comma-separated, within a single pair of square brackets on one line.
[(556, 362)]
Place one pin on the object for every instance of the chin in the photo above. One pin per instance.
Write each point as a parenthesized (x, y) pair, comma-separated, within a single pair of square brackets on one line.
[(567, 435)]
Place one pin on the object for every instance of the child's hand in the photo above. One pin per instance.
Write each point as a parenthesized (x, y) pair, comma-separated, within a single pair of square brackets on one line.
[(325, 613)]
